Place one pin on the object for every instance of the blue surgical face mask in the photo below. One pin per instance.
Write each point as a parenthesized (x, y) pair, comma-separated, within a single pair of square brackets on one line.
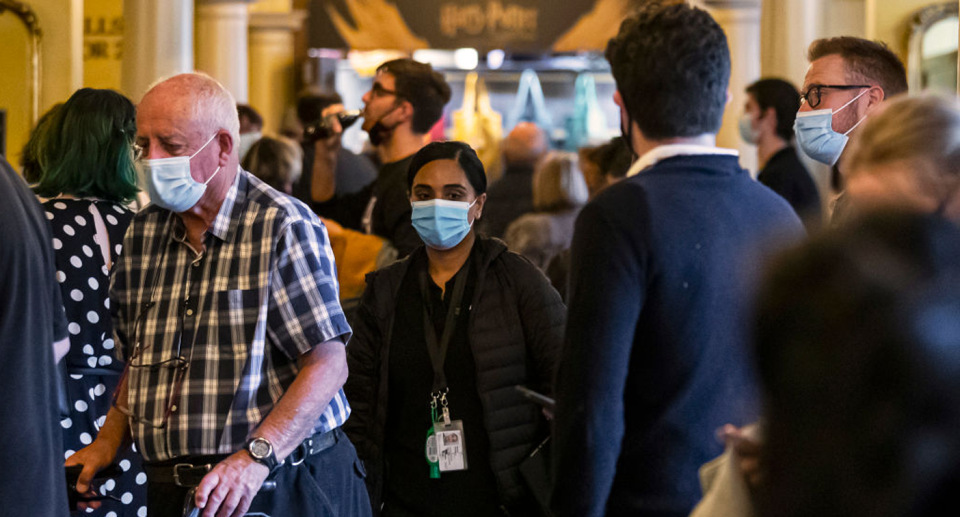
[(170, 183), (441, 224), (747, 133), (816, 137)]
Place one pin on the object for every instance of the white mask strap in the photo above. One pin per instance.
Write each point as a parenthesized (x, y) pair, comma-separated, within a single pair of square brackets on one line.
[(855, 125), (212, 176), (851, 101), (202, 147)]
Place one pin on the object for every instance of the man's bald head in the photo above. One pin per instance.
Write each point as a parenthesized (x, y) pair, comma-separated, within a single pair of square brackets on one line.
[(524, 145), (198, 101)]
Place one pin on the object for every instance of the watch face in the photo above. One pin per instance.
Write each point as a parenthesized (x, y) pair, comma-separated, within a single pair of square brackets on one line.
[(260, 448)]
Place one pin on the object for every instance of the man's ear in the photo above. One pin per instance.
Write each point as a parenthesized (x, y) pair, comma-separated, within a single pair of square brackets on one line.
[(875, 97), (769, 118), (225, 139), (405, 111)]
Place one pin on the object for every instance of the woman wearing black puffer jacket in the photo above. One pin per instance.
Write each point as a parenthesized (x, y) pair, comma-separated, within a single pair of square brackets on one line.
[(488, 319)]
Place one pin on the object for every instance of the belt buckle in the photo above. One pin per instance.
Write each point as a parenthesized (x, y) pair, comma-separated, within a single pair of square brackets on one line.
[(176, 473), (304, 449)]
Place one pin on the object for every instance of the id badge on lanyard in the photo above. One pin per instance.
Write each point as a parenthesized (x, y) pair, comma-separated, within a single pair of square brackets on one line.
[(445, 448)]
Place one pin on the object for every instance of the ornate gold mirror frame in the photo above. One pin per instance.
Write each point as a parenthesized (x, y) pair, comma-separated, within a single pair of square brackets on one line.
[(921, 22), (29, 19)]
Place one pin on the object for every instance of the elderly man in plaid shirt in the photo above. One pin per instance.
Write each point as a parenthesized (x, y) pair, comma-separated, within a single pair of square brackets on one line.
[(225, 302)]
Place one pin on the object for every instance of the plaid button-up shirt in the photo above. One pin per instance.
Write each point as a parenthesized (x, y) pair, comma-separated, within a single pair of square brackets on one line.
[(232, 320)]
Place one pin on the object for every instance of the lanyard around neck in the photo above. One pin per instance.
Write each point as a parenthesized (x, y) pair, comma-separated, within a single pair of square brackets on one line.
[(438, 350)]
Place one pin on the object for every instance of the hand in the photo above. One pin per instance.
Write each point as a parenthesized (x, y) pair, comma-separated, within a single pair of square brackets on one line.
[(229, 489), (334, 141), (94, 458), (746, 443)]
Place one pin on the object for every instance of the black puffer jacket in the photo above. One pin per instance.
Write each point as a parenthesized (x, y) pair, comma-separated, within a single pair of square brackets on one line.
[(516, 329)]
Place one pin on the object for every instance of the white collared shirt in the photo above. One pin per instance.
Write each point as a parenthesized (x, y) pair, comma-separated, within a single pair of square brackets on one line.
[(657, 154)]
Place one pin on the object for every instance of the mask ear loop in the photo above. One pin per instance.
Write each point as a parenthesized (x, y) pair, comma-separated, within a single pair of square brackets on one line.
[(202, 147), (849, 103)]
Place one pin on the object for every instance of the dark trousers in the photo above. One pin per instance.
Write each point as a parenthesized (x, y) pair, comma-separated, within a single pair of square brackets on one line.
[(327, 484)]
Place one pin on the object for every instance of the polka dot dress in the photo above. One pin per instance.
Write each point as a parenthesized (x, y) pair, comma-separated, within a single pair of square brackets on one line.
[(93, 371)]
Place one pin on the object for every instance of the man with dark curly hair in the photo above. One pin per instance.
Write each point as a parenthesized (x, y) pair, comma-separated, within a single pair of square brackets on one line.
[(655, 358)]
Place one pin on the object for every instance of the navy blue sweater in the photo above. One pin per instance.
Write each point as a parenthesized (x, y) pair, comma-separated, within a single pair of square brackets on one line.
[(656, 356)]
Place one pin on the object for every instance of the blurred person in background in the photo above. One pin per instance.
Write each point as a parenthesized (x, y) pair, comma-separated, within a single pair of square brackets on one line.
[(512, 195), (86, 171), (907, 156), (406, 100), (33, 338), (767, 122), (251, 128), (559, 191), (858, 346), (29, 166), (605, 164), (602, 166), (276, 161), (487, 317)]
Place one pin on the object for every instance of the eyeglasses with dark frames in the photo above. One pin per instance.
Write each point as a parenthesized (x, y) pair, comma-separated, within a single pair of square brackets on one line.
[(379, 91), (814, 94)]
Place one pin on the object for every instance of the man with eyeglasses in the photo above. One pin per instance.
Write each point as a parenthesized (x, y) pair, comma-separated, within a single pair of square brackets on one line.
[(405, 101), (847, 80), (226, 312)]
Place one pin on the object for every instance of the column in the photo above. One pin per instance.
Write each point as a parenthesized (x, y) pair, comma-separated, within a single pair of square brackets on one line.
[(787, 29), (157, 43), (221, 43), (272, 68), (740, 20)]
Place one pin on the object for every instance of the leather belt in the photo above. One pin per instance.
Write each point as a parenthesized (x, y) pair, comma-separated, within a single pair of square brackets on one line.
[(187, 474)]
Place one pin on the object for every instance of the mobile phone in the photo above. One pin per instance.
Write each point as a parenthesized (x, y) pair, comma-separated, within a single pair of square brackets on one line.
[(73, 474)]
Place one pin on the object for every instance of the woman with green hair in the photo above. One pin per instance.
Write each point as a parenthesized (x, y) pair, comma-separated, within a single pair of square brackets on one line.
[(82, 160)]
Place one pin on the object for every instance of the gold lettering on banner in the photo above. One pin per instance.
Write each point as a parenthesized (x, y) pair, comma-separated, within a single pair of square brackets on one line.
[(495, 18), (102, 38)]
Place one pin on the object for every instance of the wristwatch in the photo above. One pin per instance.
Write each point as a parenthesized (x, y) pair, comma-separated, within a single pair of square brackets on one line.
[(261, 450)]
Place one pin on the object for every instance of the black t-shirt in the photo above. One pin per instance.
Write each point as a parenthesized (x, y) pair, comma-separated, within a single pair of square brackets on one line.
[(408, 489), (787, 176), (31, 320), (354, 172), (390, 214)]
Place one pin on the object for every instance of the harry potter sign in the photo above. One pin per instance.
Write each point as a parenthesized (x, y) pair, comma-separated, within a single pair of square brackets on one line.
[(519, 25)]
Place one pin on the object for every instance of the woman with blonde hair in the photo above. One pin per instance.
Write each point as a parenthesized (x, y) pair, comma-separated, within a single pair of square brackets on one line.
[(908, 157), (559, 191)]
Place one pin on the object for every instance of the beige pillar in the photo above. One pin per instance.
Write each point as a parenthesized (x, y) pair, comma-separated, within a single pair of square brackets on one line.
[(787, 29), (740, 20), (157, 43), (272, 68), (221, 43)]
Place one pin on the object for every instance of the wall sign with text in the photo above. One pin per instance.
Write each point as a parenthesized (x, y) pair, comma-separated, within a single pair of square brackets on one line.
[(518, 25)]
